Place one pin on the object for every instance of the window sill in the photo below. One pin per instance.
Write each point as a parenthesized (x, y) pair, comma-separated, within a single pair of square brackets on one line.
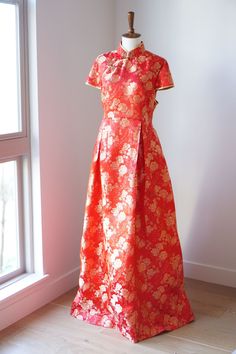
[(26, 283)]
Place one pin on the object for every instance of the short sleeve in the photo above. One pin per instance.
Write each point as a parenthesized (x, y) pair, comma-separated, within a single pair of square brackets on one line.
[(93, 78), (164, 79)]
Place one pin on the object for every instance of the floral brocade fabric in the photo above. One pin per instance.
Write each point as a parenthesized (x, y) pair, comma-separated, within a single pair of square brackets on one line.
[(131, 272)]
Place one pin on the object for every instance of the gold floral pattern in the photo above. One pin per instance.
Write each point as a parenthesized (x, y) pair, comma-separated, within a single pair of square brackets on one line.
[(131, 274)]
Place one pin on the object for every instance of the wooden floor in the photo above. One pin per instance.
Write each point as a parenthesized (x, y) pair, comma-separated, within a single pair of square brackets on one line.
[(51, 329)]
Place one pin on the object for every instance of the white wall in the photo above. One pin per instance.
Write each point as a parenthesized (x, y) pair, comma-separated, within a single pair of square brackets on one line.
[(70, 36), (196, 122)]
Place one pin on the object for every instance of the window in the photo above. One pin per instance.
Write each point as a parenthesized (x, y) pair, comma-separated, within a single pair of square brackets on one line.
[(15, 189)]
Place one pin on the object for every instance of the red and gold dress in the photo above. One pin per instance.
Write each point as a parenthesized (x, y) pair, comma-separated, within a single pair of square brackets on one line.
[(131, 275)]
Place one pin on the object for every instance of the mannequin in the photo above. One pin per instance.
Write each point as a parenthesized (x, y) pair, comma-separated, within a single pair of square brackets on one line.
[(131, 40), (131, 274)]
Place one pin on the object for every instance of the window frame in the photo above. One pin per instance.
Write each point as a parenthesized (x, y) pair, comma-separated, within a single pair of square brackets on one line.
[(21, 268), (22, 74), (17, 146)]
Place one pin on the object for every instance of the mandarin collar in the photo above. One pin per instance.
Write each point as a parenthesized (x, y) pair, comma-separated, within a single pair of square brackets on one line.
[(132, 53)]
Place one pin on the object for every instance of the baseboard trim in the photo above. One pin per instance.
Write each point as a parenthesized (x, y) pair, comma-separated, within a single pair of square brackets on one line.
[(34, 298), (210, 273)]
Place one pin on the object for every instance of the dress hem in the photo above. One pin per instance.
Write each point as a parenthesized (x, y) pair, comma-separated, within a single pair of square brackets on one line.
[(113, 324)]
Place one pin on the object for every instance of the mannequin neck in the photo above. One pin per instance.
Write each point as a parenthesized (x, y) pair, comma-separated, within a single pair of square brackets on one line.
[(130, 43)]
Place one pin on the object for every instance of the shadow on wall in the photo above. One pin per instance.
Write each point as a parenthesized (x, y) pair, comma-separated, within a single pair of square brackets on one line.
[(213, 224)]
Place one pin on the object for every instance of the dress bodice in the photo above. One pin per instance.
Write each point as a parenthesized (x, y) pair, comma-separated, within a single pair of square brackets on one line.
[(129, 81)]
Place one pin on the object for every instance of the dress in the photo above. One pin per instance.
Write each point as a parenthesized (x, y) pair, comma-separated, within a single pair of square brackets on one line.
[(131, 275)]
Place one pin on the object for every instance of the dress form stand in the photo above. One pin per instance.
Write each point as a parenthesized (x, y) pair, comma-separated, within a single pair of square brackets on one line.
[(131, 40)]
